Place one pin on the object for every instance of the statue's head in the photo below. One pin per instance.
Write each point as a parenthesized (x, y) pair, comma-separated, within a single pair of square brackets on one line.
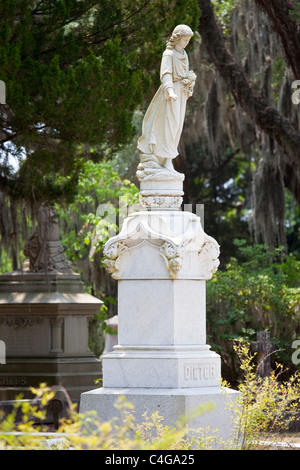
[(180, 31)]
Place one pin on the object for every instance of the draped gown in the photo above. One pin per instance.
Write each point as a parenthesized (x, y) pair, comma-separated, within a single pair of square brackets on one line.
[(164, 118)]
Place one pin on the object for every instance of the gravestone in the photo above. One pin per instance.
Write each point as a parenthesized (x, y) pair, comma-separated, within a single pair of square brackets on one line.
[(2, 92), (162, 259), (44, 320), (2, 352), (264, 348)]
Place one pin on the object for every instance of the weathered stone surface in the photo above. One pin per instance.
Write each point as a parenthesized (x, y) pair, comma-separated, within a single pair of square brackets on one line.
[(44, 324)]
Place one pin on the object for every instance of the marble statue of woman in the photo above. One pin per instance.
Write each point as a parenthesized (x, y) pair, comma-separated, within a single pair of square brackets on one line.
[(164, 118)]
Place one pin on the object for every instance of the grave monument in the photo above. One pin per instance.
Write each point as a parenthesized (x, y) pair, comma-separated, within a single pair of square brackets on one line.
[(162, 259), (44, 315)]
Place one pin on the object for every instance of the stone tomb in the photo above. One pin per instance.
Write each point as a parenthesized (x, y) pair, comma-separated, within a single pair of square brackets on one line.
[(44, 326)]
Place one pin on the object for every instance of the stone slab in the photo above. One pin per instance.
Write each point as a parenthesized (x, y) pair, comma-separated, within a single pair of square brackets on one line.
[(162, 312), (75, 374), (171, 368), (44, 324), (171, 404)]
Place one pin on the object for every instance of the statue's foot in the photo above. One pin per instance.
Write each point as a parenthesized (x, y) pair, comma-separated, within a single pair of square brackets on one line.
[(168, 164), (156, 168)]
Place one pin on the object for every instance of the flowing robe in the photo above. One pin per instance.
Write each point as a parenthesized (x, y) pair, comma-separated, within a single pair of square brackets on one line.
[(164, 118)]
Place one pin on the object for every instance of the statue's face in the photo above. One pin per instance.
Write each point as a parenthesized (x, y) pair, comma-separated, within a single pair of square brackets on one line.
[(183, 41)]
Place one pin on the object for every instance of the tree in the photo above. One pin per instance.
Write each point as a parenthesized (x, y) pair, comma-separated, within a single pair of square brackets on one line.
[(75, 71), (276, 128), (257, 292)]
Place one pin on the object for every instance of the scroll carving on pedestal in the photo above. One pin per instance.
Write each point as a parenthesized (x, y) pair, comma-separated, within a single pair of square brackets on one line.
[(209, 256), (111, 255), (173, 256)]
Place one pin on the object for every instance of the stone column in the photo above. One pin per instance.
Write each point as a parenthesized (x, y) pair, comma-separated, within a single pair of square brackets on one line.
[(161, 260), (56, 332)]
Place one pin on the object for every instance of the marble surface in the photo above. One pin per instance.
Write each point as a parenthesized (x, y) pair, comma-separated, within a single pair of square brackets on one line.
[(164, 118), (177, 238), (162, 312), (172, 405), (177, 367)]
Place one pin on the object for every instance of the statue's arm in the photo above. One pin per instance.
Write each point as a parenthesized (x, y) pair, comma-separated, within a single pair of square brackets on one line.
[(166, 76)]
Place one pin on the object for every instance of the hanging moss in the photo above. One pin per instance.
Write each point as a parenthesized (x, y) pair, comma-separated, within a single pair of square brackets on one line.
[(223, 124)]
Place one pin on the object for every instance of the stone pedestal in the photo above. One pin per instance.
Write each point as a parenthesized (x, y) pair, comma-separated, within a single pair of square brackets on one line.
[(44, 325), (172, 404), (162, 260)]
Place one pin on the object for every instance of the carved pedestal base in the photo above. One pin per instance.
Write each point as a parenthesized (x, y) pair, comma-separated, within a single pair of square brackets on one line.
[(161, 195), (161, 260), (161, 367), (171, 405)]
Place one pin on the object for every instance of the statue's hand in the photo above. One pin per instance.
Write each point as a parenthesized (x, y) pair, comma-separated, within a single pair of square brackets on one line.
[(172, 95)]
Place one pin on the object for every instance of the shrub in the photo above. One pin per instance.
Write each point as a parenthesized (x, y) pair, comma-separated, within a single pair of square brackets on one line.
[(266, 408), (260, 291)]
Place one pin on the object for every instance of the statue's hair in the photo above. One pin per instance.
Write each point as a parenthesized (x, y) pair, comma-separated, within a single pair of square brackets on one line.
[(180, 30)]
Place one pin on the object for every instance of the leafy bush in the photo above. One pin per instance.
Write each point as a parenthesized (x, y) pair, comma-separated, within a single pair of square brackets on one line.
[(86, 432), (260, 291), (266, 408)]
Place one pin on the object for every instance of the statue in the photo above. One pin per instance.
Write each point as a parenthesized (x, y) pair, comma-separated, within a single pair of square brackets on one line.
[(163, 121), (43, 248)]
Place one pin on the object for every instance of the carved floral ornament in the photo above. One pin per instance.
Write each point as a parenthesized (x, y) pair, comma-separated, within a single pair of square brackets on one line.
[(160, 201), (173, 255), (112, 252), (20, 321)]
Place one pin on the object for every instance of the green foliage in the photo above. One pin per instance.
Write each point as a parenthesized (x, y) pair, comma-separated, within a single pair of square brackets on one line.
[(260, 291), (223, 10), (94, 214), (85, 432), (262, 412), (19, 429), (222, 188), (292, 223), (295, 12), (268, 407), (75, 71), (278, 72)]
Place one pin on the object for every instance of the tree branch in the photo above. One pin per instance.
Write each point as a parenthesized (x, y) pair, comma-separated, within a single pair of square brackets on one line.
[(279, 13), (267, 118), (117, 23)]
